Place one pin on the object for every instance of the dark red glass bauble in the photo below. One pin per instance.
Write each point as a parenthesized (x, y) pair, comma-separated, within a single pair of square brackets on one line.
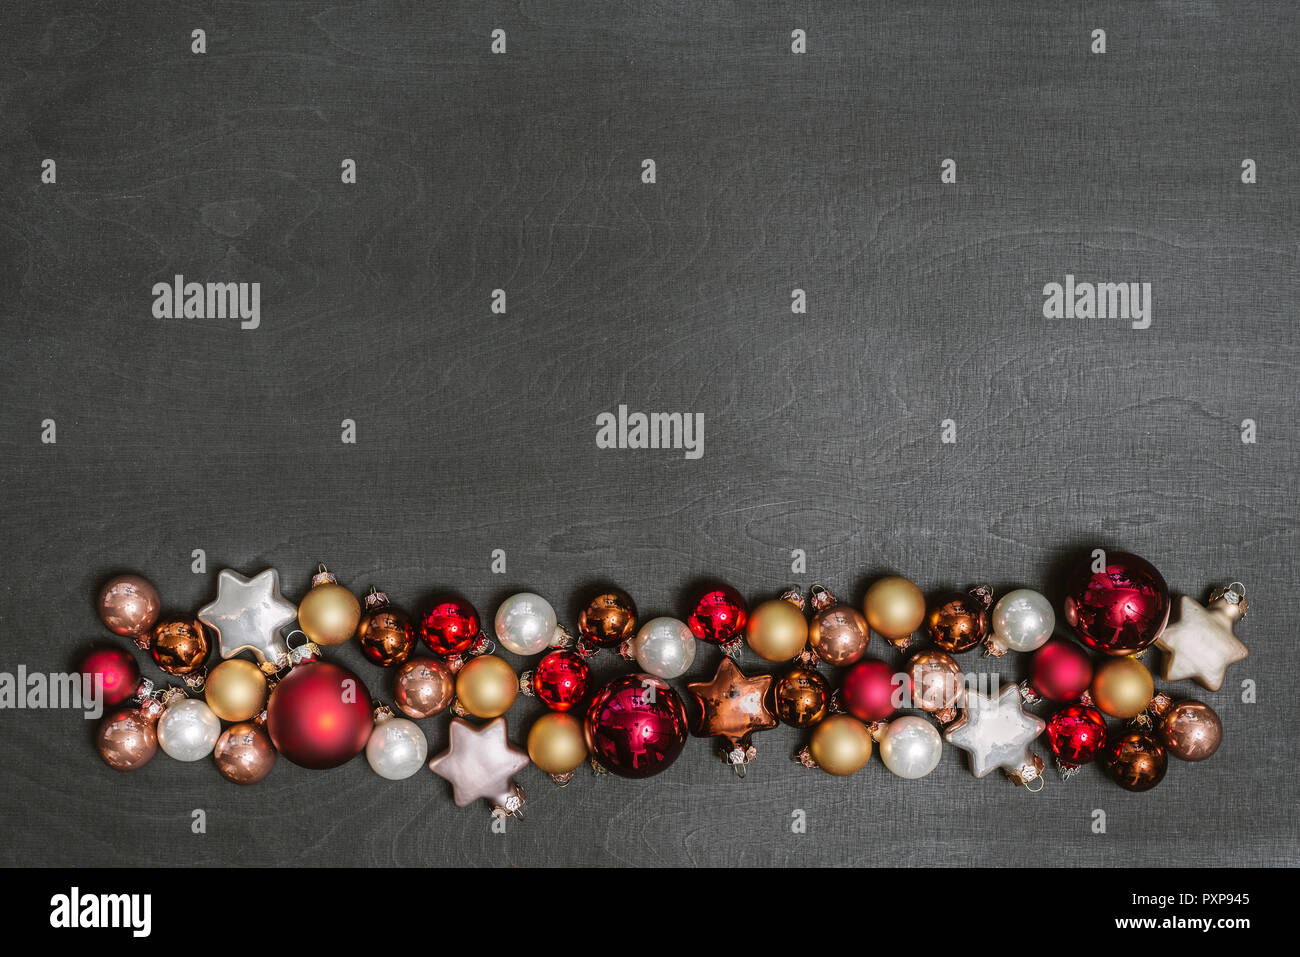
[(560, 680), (868, 689), (1076, 733), (636, 726), (719, 615), (319, 715), (450, 626), (1060, 670), (117, 672), (1119, 610)]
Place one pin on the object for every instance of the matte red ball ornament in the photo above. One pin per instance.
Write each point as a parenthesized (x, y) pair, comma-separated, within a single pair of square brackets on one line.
[(636, 726), (868, 690), (560, 680), (719, 616), (1060, 671), (116, 671), (450, 626), (319, 715), (1119, 610), (1075, 734)]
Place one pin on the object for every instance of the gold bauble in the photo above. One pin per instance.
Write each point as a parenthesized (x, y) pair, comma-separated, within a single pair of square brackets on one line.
[(1122, 687), (487, 686), (236, 690), (841, 745), (777, 630), (328, 614), (556, 743), (894, 607)]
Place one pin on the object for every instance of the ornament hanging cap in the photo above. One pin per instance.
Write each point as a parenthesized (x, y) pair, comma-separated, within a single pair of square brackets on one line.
[(1234, 594), (983, 594), (820, 598), (172, 695), (795, 597), (375, 600), (323, 576), (1027, 773), (381, 713), (300, 654), (151, 709)]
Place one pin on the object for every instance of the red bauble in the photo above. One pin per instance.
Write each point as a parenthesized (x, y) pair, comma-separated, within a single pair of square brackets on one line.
[(636, 726), (868, 690), (1060, 671), (449, 627), (560, 680), (1075, 735), (319, 715), (117, 671), (719, 616), (1120, 610)]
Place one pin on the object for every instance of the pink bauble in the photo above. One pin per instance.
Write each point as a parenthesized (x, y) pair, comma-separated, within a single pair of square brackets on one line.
[(1061, 670), (868, 690)]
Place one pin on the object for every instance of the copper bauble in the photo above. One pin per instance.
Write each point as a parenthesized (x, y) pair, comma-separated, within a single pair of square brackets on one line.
[(801, 697), (1136, 761), (1122, 687), (839, 635), (556, 743), (609, 619), (328, 614), (958, 622), (777, 630), (244, 753), (179, 646), (423, 687), (128, 605), (894, 607), (386, 635), (128, 738), (937, 684), (487, 686), (841, 745), (1190, 730), (236, 690)]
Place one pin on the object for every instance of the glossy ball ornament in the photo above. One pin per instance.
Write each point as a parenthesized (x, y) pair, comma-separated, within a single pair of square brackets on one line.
[(937, 684), (423, 687), (841, 745), (801, 697), (560, 679), (487, 686), (719, 616), (1060, 670), (636, 726), (127, 739), (386, 635), (1136, 761), (894, 608), (910, 747), (115, 671), (319, 715), (449, 626), (128, 605), (329, 613), (179, 646), (397, 747), (556, 743), (868, 690), (236, 690), (958, 623), (1022, 620), (188, 730), (609, 619), (839, 635), (1076, 733), (664, 647), (525, 623), (243, 754), (1119, 610), (1122, 687), (1190, 730), (777, 630)]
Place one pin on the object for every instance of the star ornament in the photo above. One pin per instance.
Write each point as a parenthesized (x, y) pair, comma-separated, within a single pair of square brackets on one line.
[(733, 707), (996, 733), (1201, 644), (480, 763), (248, 614)]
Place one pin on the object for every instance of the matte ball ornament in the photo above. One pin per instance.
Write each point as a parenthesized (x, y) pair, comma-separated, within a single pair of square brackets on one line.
[(423, 687), (179, 646), (1075, 733), (1190, 730), (128, 739), (937, 684), (188, 730), (868, 690), (560, 680), (777, 630), (838, 634), (319, 714), (557, 745), (1060, 671), (609, 619), (449, 626), (664, 647), (1022, 620), (1136, 761), (1122, 687), (1120, 609), (328, 614), (487, 686), (243, 754), (719, 616), (397, 747), (525, 623), (128, 605), (636, 726), (236, 690), (894, 608), (114, 671), (840, 745), (910, 747), (958, 623), (801, 697), (386, 635)]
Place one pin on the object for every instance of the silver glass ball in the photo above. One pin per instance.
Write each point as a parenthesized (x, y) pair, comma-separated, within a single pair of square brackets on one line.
[(525, 623), (664, 647), (188, 730), (1023, 620), (396, 749), (910, 747)]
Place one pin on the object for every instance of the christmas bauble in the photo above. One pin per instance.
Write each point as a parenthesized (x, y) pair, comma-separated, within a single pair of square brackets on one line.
[(1022, 620), (236, 690), (525, 623), (894, 608), (449, 626), (958, 623), (328, 614), (1122, 687), (319, 715), (243, 754), (1190, 730), (609, 619), (560, 680), (801, 697), (179, 646), (386, 635), (1120, 609), (487, 686), (127, 739), (397, 747), (114, 671), (868, 690), (664, 647), (910, 747), (423, 687), (556, 743), (1075, 734), (839, 635), (636, 726), (937, 684), (1060, 670), (841, 745), (719, 615), (1136, 761), (128, 605), (188, 730), (777, 630)]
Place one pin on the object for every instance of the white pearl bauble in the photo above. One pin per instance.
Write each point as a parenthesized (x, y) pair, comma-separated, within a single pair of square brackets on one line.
[(910, 747), (1023, 620), (525, 623), (396, 749), (664, 647), (188, 730)]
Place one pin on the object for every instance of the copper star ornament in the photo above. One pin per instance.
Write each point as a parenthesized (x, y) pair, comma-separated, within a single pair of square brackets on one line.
[(248, 614), (480, 763), (733, 707), (996, 733), (1201, 644)]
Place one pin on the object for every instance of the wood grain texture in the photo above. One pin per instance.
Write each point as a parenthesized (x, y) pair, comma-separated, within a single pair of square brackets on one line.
[(477, 431)]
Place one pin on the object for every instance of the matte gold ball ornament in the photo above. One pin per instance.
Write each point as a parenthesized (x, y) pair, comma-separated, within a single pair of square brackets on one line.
[(486, 687), (840, 745), (236, 690), (1122, 687), (777, 630), (894, 608), (557, 745), (328, 614)]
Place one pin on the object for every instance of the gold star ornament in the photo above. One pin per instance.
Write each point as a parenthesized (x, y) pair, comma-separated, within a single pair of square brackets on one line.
[(733, 707), (1201, 644)]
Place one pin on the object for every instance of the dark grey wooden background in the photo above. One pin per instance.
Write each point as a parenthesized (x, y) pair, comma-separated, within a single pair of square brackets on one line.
[(476, 431)]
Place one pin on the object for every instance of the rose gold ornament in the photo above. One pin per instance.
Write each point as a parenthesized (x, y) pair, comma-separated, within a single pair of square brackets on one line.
[(128, 605), (838, 633), (244, 753), (128, 738), (937, 684), (179, 646), (1191, 730), (423, 687)]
